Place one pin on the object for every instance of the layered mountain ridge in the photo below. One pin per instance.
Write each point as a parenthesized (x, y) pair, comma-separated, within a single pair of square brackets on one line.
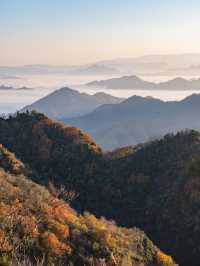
[(134, 82), (138, 119)]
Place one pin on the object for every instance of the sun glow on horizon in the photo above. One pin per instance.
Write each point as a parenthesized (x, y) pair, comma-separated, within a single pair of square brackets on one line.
[(49, 32)]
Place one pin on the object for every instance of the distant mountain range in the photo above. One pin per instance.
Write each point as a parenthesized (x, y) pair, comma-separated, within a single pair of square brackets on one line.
[(66, 102), (174, 64), (9, 77), (134, 82), (138, 119), (95, 69), (159, 63), (88, 69), (2, 87)]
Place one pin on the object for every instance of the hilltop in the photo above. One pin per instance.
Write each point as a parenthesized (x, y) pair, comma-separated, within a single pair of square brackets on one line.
[(57, 153)]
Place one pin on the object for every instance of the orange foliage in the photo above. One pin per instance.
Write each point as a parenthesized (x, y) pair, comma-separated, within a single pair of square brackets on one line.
[(5, 245), (163, 259), (4, 209), (34, 219), (61, 230), (29, 225), (53, 245), (63, 214), (9, 161)]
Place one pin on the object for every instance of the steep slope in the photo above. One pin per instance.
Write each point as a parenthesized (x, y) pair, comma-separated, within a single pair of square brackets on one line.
[(66, 102), (138, 119), (38, 229)]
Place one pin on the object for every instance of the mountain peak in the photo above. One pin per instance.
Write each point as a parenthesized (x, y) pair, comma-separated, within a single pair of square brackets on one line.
[(135, 99), (67, 102), (66, 90)]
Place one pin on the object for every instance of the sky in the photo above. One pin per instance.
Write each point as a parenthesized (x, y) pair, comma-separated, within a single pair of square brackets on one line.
[(72, 32)]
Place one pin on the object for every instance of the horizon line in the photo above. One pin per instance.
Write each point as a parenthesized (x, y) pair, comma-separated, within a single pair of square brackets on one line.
[(105, 60)]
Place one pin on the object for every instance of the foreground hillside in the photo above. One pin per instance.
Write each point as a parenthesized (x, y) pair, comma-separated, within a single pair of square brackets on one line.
[(38, 229), (138, 119), (154, 186)]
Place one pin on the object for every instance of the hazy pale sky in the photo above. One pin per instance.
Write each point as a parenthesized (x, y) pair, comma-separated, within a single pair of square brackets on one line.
[(82, 31)]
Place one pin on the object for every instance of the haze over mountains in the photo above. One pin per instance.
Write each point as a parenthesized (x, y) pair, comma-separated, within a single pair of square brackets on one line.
[(115, 122), (134, 82), (2, 87), (66, 102), (138, 119), (164, 64), (173, 64), (88, 69)]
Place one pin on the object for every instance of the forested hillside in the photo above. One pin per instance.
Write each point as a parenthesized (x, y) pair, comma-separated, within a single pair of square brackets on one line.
[(57, 153), (154, 186), (158, 189), (38, 229)]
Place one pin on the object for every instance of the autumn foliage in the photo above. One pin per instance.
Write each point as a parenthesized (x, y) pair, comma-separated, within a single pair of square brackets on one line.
[(37, 227)]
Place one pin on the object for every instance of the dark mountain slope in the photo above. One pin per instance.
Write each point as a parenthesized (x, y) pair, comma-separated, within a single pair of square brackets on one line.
[(66, 102), (138, 119), (157, 188)]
